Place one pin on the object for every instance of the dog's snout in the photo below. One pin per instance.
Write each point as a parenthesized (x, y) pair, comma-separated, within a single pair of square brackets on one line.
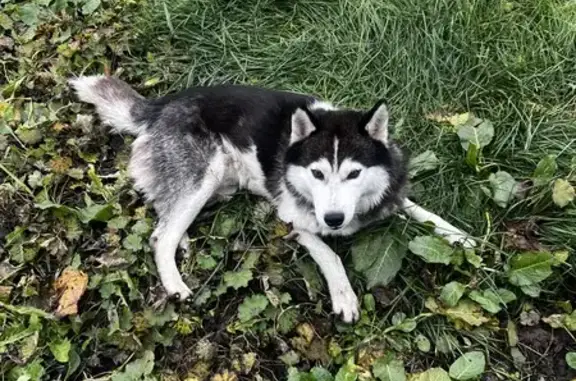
[(334, 219)]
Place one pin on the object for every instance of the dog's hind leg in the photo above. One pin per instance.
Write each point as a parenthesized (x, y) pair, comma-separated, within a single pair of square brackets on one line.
[(344, 300), (172, 226), (441, 227)]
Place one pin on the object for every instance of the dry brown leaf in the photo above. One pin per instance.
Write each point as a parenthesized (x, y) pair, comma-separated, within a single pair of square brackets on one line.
[(70, 287), (61, 165)]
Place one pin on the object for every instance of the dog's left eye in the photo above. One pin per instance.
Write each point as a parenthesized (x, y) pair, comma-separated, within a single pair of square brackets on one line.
[(317, 174), (354, 174)]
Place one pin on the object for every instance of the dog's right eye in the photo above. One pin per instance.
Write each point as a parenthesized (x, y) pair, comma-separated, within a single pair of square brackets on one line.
[(317, 174)]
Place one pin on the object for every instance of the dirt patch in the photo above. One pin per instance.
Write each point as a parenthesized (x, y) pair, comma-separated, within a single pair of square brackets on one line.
[(545, 349)]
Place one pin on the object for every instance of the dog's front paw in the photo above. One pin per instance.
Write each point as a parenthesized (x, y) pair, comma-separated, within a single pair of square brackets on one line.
[(462, 239), (345, 303), (177, 290)]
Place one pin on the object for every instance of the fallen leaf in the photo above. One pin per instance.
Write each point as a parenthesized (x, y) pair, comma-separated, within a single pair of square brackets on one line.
[(571, 359), (545, 170), (479, 136), (451, 293), (468, 312), (426, 161), (252, 306), (71, 285), (423, 343), (388, 368), (379, 257), (432, 249), (468, 366), (488, 299), (563, 193), (530, 268), (433, 374), (503, 187), (529, 318)]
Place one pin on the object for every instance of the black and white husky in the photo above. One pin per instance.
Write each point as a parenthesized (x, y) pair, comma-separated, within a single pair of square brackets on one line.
[(327, 171)]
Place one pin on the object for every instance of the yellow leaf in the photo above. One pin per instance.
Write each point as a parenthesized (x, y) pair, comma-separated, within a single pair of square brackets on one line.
[(225, 376), (71, 285), (306, 331), (61, 165)]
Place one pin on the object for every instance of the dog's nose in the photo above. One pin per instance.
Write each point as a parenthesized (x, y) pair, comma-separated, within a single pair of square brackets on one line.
[(334, 219)]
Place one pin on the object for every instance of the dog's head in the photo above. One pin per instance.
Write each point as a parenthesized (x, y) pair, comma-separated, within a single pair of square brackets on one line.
[(341, 162)]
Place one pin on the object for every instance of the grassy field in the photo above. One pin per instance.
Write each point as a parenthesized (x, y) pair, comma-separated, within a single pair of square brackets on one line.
[(483, 95)]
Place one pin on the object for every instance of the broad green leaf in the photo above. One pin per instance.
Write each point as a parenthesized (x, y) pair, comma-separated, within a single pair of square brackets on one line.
[(96, 212), (532, 290), (348, 372), (90, 6), (506, 296), (426, 161), (479, 136), (563, 193), (61, 350), (29, 136), (133, 242), (451, 293), (160, 318), (118, 223), (6, 22), (237, 279), (473, 258), (503, 187), (571, 359), (422, 343), (434, 374), (388, 368), (29, 13), (28, 346), (470, 365), (378, 257), (290, 358), (137, 369), (226, 225), (431, 249), (527, 269), (287, 321), (402, 323), (321, 374), (251, 307), (206, 262), (33, 371), (545, 170), (489, 300)]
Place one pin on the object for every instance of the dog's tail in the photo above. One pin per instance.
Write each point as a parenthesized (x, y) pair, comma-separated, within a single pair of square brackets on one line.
[(115, 101)]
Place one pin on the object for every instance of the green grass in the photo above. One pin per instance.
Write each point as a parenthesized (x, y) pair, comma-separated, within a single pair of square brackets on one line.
[(513, 63)]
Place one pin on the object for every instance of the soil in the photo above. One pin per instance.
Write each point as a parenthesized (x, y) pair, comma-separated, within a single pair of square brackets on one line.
[(545, 350)]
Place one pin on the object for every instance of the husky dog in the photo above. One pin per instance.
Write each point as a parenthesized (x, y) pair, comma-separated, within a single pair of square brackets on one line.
[(327, 171)]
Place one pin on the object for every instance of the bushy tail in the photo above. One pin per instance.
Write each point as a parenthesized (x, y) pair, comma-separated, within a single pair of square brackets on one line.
[(114, 99)]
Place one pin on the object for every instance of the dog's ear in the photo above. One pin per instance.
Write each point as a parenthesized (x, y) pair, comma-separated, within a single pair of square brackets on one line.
[(302, 126), (375, 122)]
